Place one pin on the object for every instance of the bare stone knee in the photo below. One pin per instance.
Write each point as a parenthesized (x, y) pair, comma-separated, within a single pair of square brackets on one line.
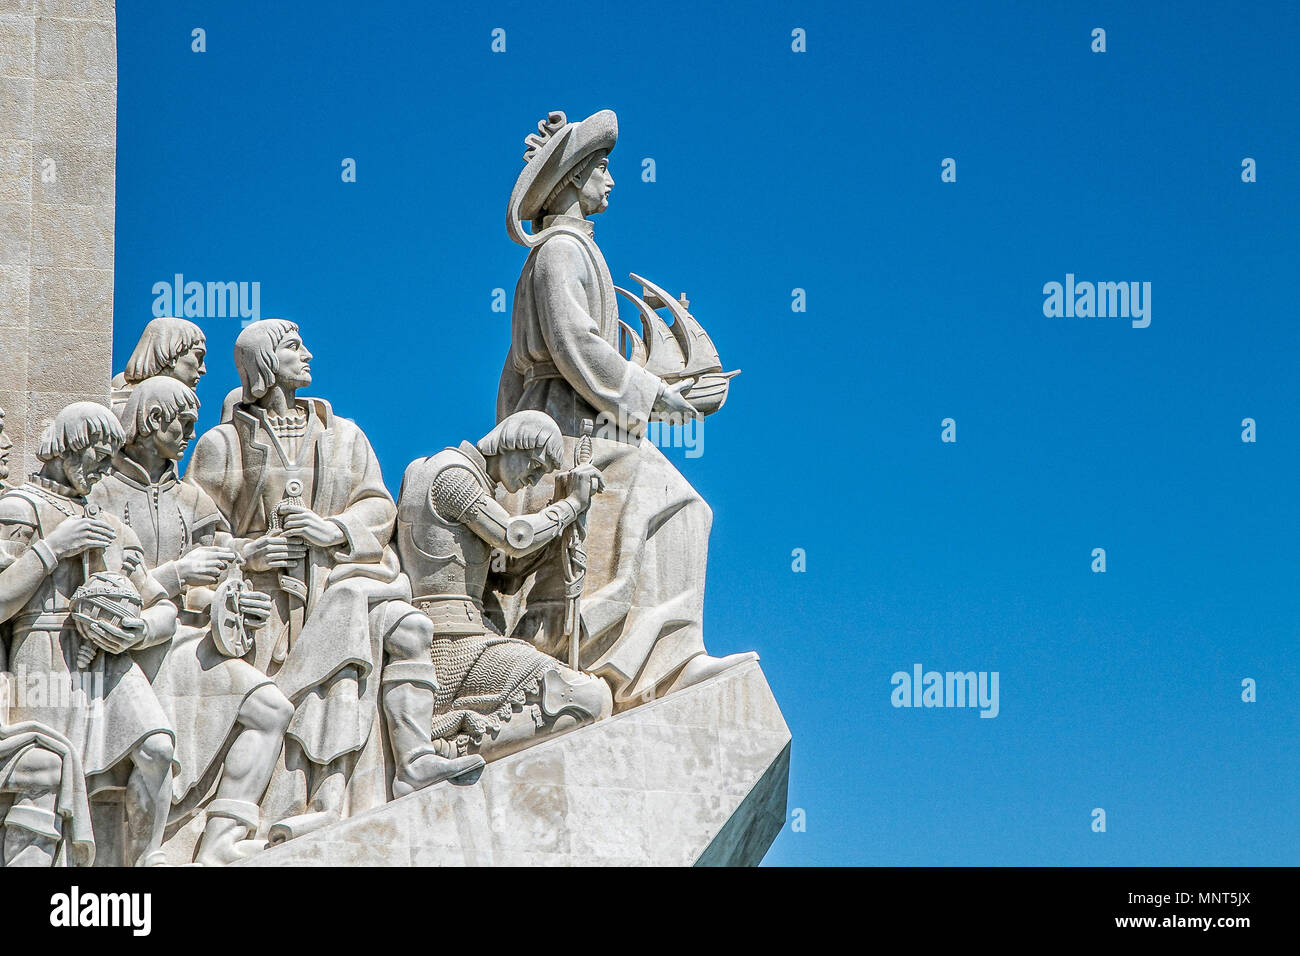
[(267, 709), (154, 753), (38, 770)]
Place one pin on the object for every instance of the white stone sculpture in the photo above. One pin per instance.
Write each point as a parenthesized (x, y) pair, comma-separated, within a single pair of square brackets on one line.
[(302, 491), (648, 532), (698, 778), (228, 716), (40, 770), (271, 660), (6, 448), (494, 694), (168, 346), (78, 601)]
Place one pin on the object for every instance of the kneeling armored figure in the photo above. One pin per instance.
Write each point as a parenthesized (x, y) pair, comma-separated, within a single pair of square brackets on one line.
[(495, 695)]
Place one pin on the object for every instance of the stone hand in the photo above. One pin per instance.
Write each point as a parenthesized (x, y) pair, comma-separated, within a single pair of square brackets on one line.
[(303, 523), (585, 480), (273, 551), (76, 535), (86, 654), (673, 405), (204, 565), (137, 627), (255, 607)]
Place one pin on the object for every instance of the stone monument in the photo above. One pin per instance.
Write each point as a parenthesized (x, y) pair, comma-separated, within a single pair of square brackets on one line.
[(273, 659)]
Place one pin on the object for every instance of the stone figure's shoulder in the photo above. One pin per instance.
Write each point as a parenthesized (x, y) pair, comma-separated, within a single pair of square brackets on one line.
[(344, 429), (455, 491), (17, 508), (447, 481), (203, 510), (215, 453), (217, 440), (563, 253), (110, 492)]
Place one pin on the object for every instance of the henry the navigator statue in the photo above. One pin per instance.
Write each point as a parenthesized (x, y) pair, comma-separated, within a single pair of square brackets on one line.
[(648, 531)]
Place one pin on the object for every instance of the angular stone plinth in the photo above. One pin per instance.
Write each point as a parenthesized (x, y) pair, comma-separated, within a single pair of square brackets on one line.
[(699, 777)]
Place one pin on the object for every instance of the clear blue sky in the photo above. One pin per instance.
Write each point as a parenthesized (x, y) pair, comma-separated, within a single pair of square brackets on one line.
[(821, 171)]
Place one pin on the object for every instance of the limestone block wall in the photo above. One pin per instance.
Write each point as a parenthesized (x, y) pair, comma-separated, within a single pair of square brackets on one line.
[(58, 122)]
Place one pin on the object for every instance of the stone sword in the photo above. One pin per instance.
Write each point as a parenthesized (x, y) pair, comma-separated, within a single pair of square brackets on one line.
[(575, 564)]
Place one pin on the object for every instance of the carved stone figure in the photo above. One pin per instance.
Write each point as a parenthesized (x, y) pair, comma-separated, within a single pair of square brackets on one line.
[(227, 715), (48, 820), (39, 770), (78, 601), (168, 346), (642, 613), (6, 446), (302, 490), (494, 694)]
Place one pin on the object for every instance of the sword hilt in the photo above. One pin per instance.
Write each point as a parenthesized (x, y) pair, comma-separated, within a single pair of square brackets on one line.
[(582, 454)]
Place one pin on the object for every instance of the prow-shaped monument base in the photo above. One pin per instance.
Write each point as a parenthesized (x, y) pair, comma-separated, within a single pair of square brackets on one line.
[(696, 778)]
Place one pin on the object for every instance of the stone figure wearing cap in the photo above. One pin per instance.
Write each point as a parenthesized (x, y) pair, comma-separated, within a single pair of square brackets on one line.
[(642, 610), (78, 601), (301, 490), (228, 716)]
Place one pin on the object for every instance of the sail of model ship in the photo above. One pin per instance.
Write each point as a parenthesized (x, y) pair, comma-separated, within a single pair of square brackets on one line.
[(676, 352)]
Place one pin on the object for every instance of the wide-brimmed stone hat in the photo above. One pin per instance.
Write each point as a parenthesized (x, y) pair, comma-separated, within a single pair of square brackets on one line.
[(555, 150)]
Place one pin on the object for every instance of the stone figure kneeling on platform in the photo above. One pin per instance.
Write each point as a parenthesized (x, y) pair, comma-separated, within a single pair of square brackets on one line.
[(494, 694)]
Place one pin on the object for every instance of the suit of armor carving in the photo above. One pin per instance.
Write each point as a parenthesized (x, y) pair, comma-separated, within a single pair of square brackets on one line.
[(495, 694)]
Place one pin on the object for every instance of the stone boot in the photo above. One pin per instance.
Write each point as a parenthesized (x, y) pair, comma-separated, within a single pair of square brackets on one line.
[(408, 707)]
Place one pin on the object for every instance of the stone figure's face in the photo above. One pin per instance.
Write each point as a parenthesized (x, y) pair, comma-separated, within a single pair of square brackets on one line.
[(189, 367), (521, 468), (594, 192), (172, 438), (83, 469), (292, 362), (5, 446)]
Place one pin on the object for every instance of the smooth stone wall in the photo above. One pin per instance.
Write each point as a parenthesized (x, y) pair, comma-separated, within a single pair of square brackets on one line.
[(58, 101)]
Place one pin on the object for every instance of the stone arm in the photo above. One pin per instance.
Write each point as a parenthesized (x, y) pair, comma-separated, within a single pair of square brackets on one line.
[(215, 461), (367, 518), (592, 366), (159, 613), (364, 516), (457, 496), (168, 576), (26, 560)]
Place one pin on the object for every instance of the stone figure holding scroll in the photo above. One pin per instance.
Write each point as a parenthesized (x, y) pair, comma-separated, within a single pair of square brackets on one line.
[(642, 610)]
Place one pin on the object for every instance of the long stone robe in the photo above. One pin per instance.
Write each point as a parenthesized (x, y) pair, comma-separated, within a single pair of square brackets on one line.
[(200, 689), (71, 802), (648, 531), (355, 592)]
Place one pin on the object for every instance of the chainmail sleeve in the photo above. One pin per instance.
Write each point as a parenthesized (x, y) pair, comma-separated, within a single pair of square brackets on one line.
[(455, 494)]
